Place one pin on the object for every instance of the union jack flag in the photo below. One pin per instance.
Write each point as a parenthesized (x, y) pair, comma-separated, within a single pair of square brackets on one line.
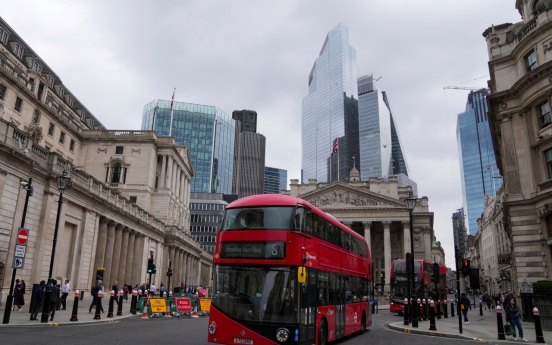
[(335, 147)]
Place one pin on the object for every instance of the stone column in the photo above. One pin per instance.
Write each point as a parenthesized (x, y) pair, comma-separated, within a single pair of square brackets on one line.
[(100, 248), (182, 187), (137, 260), (182, 268), (123, 257), (129, 258), (387, 252), (177, 182), (199, 269), (367, 234), (406, 237), (428, 241), (108, 255), (163, 177), (185, 269), (169, 172), (116, 254)]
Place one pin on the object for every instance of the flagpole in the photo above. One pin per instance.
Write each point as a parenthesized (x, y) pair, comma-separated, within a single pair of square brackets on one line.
[(171, 115), (338, 150)]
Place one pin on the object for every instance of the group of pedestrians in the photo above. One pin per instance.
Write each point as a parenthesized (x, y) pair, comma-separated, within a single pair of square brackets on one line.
[(511, 309), (57, 295)]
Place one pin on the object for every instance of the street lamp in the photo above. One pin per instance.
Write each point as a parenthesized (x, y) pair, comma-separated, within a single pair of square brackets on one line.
[(410, 203), (62, 182)]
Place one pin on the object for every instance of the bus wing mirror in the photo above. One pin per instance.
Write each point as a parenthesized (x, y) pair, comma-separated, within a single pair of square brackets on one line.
[(302, 275)]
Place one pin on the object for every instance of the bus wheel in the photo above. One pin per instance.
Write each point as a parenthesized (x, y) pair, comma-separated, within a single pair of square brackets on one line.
[(322, 333), (363, 325)]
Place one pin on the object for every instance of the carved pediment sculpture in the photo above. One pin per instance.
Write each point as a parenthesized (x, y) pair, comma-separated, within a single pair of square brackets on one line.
[(341, 197), (35, 131)]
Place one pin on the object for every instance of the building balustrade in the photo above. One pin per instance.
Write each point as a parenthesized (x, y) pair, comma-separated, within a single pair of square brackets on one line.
[(545, 185)]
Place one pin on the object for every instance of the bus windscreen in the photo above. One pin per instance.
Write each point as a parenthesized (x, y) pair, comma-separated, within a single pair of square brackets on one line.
[(258, 218)]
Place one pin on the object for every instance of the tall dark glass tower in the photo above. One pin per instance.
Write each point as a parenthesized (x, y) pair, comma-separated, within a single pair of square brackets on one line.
[(275, 180), (477, 158), (248, 119), (207, 131), (332, 90)]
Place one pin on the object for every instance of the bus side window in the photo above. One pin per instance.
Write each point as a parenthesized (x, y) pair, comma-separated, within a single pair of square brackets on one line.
[(331, 289), (309, 226)]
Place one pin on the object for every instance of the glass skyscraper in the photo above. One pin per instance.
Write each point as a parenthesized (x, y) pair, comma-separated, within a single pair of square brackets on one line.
[(477, 158), (332, 85), (207, 131), (275, 180)]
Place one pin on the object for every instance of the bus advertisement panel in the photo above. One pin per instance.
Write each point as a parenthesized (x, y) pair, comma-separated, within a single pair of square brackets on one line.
[(287, 273)]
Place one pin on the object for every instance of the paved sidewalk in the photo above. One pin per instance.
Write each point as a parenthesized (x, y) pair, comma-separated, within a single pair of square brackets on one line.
[(22, 318), (482, 328)]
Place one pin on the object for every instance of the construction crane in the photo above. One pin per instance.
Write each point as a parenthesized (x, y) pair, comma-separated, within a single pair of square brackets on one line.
[(463, 88)]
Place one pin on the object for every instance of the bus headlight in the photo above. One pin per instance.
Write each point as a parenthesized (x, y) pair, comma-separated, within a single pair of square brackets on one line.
[(212, 328), (282, 335)]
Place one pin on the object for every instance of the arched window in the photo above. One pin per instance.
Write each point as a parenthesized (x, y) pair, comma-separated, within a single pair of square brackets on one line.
[(116, 174)]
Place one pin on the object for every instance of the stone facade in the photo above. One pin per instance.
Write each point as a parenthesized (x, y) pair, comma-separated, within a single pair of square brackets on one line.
[(520, 65), (128, 196), (376, 210)]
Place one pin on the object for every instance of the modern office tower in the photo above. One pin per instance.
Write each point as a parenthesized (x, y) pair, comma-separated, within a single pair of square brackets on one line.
[(275, 180), (249, 155), (397, 166), (249, 162), (332, 90), (206, 212), (207, 131), (248, 119), (460, 232), (477, 158)]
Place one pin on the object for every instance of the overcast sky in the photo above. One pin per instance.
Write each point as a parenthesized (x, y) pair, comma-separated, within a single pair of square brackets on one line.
[(116, 56)]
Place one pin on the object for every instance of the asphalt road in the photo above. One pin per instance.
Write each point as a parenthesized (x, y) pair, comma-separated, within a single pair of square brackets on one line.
[(184, 331)]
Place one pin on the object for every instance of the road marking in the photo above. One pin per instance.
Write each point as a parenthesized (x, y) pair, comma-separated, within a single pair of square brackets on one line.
[(53, 324)]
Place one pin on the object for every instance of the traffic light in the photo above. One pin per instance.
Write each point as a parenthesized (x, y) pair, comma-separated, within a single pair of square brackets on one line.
[(466, 268), (151, 266), (474, 278), (169, 272), (436, 274)]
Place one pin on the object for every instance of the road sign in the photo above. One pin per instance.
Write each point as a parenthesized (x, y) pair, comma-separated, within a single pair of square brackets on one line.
[(18, 263), (158, 305), (22, 237), (205, 304), (20, 248), (183, 305)]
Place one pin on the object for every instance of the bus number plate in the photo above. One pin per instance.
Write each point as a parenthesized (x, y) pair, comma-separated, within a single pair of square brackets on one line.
[(243, 341)]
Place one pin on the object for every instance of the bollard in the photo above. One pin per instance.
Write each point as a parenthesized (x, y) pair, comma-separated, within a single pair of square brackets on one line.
[(432, 316), (120, 305), (406, 323), (98, 304), (111, 301), (414, 313), (452, 308), (420, 310), (424, 302), (145, 311), (499, 324), (445, 307), (438, 309), (538, 327), (480, 308), (133, 302), (75, 307)]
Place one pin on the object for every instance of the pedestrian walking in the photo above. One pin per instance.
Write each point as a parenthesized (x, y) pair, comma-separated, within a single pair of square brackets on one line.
[(54, 299), (152, 290), (95, 290), (64, 294), (465, 305), (115, 288), (512, 316), (19, 295), (125, 293), (38, 296)]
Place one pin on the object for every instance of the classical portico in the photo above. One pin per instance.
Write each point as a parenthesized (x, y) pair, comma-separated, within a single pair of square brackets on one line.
[(376, 210)]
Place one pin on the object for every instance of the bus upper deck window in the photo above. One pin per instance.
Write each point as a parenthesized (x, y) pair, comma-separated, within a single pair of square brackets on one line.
[(298, 218)]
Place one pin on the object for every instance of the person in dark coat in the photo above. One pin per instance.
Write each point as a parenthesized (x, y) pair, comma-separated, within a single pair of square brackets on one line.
[(39, 295), (54, 299), (115, 289), (465, 302)]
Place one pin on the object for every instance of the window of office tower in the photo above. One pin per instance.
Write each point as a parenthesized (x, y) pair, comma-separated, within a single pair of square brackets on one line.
[(531, 61), (548, 155), (544, 114)]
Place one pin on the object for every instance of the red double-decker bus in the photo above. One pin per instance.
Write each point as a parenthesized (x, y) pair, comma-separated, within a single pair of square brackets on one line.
[(287, 273), (423, 286)]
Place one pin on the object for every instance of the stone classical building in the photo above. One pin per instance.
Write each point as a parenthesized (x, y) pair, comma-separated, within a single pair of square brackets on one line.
[(376, 210), (128, 196), (520, 65)]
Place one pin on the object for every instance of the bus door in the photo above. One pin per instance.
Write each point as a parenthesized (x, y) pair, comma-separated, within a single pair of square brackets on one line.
[(340, 306), (308, 310)]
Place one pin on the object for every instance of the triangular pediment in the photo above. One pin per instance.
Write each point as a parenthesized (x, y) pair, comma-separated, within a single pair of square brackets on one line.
[(340, 194)]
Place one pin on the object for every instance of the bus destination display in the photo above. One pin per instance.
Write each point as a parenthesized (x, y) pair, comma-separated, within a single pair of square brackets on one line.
[(253, 250)]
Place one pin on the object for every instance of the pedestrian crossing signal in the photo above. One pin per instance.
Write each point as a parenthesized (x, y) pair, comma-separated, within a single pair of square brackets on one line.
[(466, 267)]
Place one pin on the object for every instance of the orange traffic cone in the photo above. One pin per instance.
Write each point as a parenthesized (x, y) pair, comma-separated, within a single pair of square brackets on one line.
[(168, 313), (145, 312), (194, 314)]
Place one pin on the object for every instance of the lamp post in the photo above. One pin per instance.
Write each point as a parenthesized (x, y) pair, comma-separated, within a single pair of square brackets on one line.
[(7, 311), (410, 203), (62, 182)]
